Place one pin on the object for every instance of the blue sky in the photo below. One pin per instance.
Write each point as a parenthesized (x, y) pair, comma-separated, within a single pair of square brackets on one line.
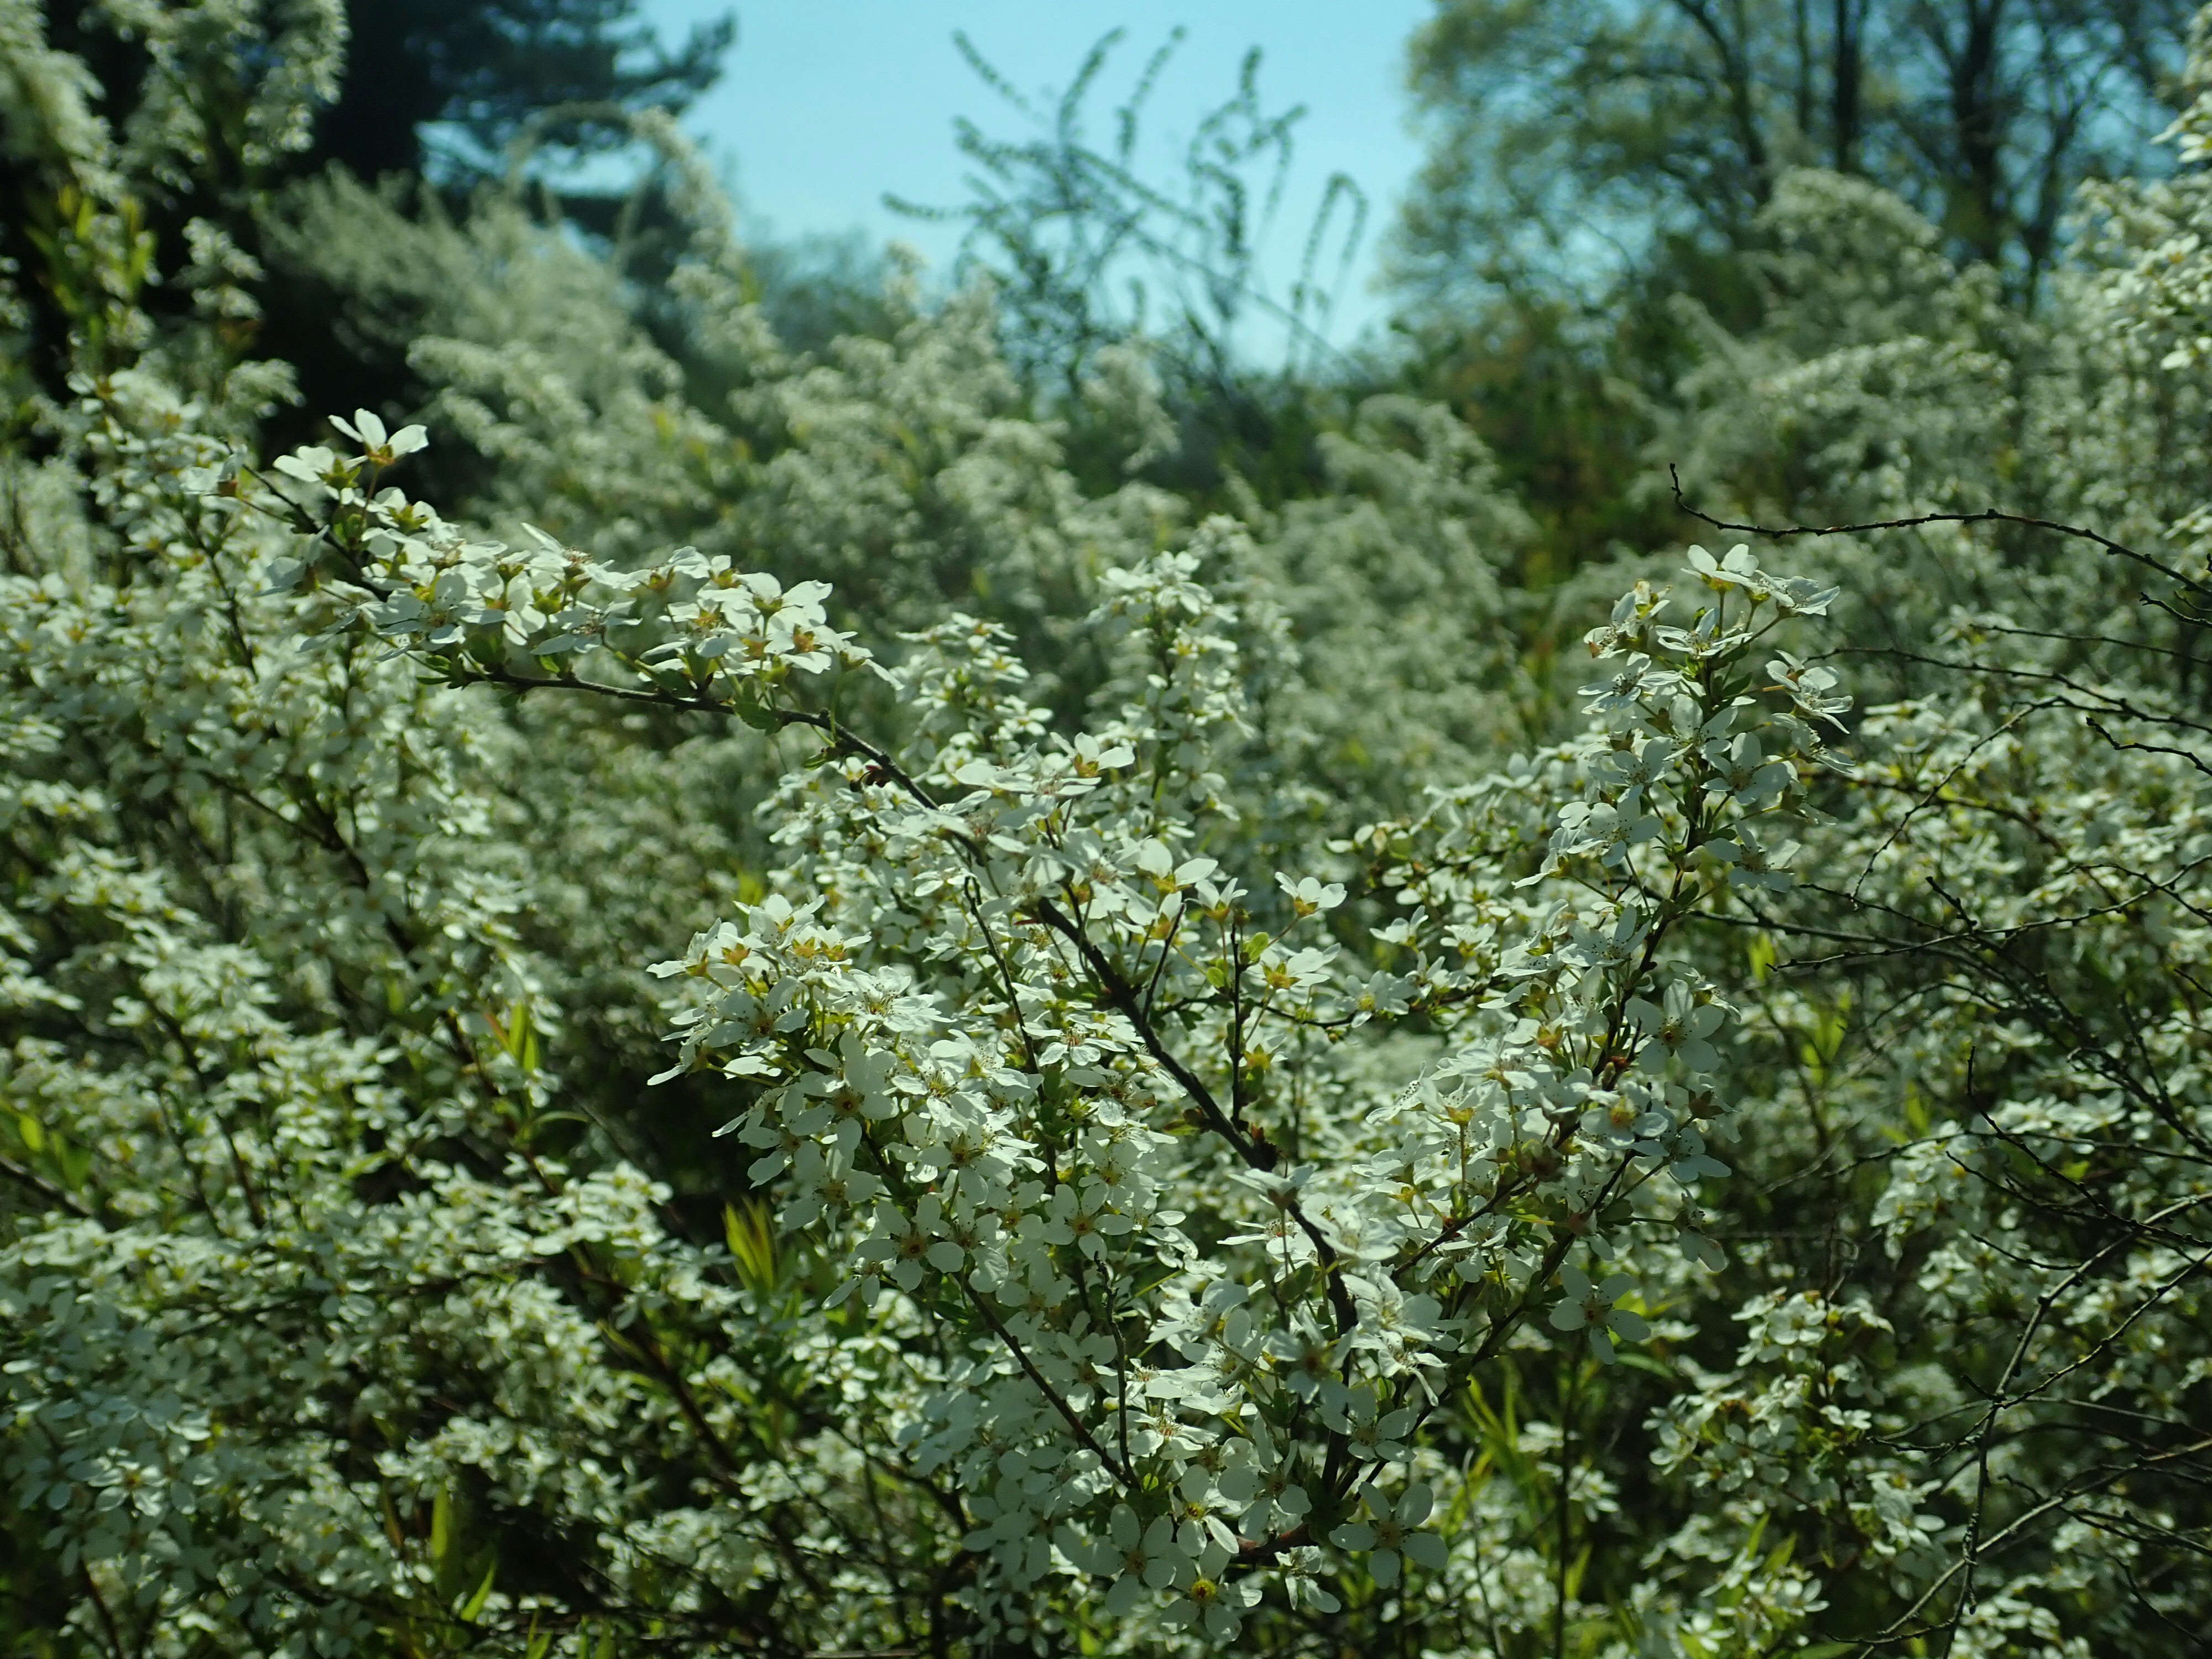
[(826, 105)]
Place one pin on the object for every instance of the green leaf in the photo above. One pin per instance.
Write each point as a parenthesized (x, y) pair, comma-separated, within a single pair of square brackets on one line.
[(474, 1604), (1576, 1569), (751, 1239), (1761, 955)]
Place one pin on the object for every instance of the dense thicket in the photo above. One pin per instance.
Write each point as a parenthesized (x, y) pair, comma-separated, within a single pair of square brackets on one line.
[(738, 986)]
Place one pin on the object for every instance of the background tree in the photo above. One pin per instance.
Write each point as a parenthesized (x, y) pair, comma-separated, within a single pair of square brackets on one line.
[(490, 69), (1593, 162), (1593, 134), (203, 117)]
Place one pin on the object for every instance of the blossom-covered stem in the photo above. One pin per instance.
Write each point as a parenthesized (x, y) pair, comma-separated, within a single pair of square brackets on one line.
[(1508, 1185), (319, 824), (972, 899), (1255, 1553), (1160, 968), (1118, 996), (116, 1646), (647, 1350), (1120, 1471), (1236, 954), (233, 619), (973, 902), (841, 738), (1501, 1332), (186, 1050), (888, 1172), (1501, 1329), (1121, 1371)]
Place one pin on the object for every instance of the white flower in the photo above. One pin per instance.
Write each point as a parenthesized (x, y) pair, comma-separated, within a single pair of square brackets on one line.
[(1590, 1308), (1391, 1532)]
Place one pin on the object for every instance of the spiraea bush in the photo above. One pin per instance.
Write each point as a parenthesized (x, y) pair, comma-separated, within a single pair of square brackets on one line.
[(786, 1032)]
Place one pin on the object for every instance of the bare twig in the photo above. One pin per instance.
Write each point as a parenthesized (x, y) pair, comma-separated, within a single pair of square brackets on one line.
[(1987, 515)]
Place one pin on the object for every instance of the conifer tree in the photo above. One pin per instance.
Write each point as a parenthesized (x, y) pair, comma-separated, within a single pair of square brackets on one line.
[(491, 70)]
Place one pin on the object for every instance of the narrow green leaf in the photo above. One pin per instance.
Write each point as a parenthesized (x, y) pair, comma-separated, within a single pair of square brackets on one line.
[(482, 1593)]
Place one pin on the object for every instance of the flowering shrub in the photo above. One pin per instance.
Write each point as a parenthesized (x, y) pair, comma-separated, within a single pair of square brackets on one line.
[(1718, 1172), (1193, 1242), (1005, 1031)]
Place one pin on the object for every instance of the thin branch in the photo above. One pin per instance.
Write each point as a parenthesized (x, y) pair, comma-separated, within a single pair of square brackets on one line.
[(1120, 995), (1988, 515), (45, 1189)]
